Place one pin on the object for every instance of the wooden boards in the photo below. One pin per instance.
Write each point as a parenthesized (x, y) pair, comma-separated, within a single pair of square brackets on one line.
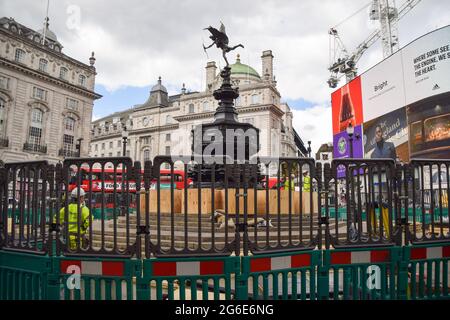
[(263, 199)]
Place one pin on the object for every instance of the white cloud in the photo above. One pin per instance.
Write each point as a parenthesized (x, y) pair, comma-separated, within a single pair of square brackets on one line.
[(314, 124)]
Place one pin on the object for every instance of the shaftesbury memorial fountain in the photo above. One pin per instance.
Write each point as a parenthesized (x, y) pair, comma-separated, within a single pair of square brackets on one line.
[(226, 139)]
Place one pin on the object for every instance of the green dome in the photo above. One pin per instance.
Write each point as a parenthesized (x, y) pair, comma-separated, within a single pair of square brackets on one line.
[(240, 68)]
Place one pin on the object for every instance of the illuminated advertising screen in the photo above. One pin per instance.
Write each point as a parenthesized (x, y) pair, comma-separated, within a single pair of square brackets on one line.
[(400, 108)]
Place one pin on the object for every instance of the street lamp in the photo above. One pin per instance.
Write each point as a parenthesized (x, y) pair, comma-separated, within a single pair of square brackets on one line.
[(79, 147), (125, 138), (350, 132), (309, 149)]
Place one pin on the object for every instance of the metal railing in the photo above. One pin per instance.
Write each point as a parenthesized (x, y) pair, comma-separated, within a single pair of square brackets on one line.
[(67, 153), (214, 209), (35, 147)]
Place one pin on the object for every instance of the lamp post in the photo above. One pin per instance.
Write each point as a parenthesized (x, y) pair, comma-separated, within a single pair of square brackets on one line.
[(125, 138), (309, 149), (350, 133), (79, 147)]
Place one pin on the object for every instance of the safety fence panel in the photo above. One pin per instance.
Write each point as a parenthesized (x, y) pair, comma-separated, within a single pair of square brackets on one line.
[(189, 279), (363, 199), (428, 204), (281, 276), (428, 271), (23, 276), (362, 274), (95, 279), (23, 206)]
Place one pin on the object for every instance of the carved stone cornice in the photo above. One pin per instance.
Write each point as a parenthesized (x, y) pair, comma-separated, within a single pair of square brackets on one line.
[(45, 77)]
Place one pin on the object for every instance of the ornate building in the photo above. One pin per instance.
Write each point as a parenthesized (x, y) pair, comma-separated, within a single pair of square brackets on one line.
[(46, 97), (162, 125)]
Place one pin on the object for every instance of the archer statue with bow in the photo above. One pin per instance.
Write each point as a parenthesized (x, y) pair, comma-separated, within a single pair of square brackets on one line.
[(220, 39)]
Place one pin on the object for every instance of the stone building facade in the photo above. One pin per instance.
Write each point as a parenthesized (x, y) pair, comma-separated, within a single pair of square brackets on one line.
[(46, 97), (163, 124)]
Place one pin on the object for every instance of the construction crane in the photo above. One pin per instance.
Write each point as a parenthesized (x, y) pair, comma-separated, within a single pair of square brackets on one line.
[(342, 63)]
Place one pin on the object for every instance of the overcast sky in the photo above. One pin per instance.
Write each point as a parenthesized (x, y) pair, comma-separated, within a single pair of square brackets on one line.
[(137, 41)]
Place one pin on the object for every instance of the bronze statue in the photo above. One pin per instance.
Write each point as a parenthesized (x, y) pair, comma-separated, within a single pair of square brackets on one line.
[(220, 39)]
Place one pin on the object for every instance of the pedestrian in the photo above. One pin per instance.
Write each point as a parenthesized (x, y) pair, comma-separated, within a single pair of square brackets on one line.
[(306, 181), (77, 228)]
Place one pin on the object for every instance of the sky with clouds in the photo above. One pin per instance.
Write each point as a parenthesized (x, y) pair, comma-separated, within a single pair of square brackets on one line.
[(136, 41)]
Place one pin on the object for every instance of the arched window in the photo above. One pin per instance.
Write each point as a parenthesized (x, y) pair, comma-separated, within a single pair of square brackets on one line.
[(69, 124), (43, 65), (35, 131), (82, 80), (191, 108), (20, 56), (63, 73), (2, 117)]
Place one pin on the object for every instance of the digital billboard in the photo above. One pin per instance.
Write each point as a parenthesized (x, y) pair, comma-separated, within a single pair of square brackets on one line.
[(400, 108)]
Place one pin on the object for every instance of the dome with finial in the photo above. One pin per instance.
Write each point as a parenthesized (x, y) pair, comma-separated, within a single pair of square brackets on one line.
[(159, 86), (239, 68)]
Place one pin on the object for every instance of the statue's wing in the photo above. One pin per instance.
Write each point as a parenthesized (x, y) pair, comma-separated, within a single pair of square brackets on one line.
[(222, 28)]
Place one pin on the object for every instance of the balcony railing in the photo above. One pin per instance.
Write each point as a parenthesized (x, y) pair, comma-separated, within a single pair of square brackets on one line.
[(34, 147), (4, 143), (67, 153)]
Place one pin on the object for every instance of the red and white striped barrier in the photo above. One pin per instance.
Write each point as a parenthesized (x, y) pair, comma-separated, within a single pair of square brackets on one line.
[(355, 257), (94, 268), (187, 268), (430, 253), (280, 263)]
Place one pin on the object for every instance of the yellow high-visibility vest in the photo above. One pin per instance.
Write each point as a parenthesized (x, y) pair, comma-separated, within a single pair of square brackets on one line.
[(307, 183)]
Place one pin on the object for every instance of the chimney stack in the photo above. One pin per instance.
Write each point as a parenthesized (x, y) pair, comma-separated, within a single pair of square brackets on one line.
[(211, 70), (267, 65)]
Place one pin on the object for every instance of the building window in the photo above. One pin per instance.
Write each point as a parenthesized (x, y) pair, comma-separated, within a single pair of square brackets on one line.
[(205, 106), (128, 153), (191, 108), (43, 65), (110, 154), (36, 116), (4, 83), (255, 99), (168, 119), (167, 151), (119, 154), (324, 156), (96, 147), (35, 132), (82, 80), (68, 144), (103, 146), (237, 102), (39, 93), (111, 144), (2, 117), (72, 104), (69, 124), (63, 73), (146, 140), (118, 143), (20, 56), (146, 155), (168, 137)]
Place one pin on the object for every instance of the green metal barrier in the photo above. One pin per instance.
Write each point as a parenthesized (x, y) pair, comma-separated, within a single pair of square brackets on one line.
[(94, 279), (281, 276), (206, 278), (362, 274), (428, 271), (23, 276)]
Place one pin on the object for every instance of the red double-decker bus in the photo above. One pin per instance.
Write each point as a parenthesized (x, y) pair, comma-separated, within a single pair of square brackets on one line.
[(108, 184)]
